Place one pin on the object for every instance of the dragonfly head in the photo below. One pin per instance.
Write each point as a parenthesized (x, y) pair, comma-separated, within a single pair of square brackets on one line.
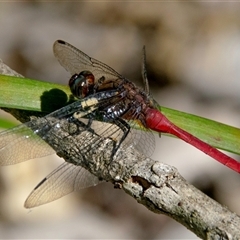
[(82, 84)]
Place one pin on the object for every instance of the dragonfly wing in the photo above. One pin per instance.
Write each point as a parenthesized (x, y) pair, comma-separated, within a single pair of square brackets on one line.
[(62, 181), (142, 140), (20, 144), (75, 61)]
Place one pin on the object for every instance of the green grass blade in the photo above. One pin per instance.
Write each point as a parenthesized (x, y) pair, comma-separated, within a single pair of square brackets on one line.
[(27, 94), (38, 96), (6, 123)]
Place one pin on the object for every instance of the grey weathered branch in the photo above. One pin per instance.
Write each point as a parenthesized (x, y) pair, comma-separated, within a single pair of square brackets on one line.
[(157, 186)]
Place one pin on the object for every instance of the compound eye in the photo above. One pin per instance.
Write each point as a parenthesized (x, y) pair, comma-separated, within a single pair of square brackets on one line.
[(82, 84)]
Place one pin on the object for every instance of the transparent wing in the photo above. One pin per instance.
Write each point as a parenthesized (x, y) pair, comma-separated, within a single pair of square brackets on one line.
[(75, 61), (142, 140), (23, 143), (62, 181), (20, 144)]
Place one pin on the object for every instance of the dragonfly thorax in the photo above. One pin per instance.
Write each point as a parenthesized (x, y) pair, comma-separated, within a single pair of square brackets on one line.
[(129, 102)]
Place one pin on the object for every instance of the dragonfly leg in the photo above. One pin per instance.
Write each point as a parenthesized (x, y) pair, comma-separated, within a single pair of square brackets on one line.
[(124, 126), (98, 83)]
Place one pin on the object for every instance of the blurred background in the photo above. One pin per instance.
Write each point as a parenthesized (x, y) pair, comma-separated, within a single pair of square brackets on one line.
[(193, 56)]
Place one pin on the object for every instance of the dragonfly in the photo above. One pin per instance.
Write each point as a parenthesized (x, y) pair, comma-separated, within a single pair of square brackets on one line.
[(111, 113)]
